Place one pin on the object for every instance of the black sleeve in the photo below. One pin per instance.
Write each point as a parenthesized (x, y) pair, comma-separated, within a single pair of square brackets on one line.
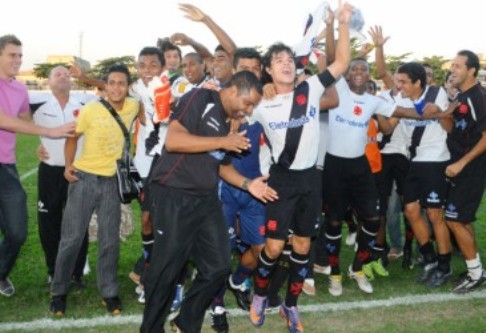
[(190, 108), (35, 106), (326, 78)]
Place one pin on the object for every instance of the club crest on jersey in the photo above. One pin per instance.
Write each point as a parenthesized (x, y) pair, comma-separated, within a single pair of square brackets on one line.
[(301, 99), (462, 124), (463, 109), (76, 113), (358, 110), (272, 225)]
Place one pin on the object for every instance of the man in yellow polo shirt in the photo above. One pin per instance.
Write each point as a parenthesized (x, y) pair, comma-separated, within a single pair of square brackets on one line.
[(93, 187)]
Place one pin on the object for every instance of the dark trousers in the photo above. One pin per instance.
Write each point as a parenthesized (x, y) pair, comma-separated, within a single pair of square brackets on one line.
[(13, 217), (184, 226), (52, 195)]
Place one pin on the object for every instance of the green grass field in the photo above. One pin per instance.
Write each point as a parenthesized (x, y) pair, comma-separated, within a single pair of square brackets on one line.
[(31, 300)]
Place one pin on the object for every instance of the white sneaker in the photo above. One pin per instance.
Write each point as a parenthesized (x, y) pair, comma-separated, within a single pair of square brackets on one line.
[(322, 269), (362, 280), (309, 287), (351, 238), (335, 285), (86, 269)]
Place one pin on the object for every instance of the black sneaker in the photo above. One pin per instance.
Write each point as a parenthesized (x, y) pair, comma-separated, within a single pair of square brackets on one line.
[(407, 262), (468, 284), (58, 305), (439, 278), (241, 292), (113, 305), (220, 322), (427, 271), (6, 287)]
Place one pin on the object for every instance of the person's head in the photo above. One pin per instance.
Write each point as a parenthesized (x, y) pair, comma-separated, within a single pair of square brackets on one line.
[(171, 52), (412, 79), (358, 75), (150, 64), (371, 87), (248, 59), (59, 80), (222, 67), (10, 56), (117, 82), (241, 94), (464, 69), (279, 63), (449, 86), (193, 67), (429, 72)]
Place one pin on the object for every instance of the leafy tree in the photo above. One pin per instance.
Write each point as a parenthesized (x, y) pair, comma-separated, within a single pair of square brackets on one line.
[(42, 70), (436, 63), (100, 70)]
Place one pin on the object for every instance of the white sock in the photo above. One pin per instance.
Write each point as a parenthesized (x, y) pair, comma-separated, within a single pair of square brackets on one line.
[(310, 282), (475, 268)]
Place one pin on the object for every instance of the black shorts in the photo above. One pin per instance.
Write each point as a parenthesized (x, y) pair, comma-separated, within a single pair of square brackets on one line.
[(465, 193), (348, 182), (394, 169), (298, 205), (426, 182)]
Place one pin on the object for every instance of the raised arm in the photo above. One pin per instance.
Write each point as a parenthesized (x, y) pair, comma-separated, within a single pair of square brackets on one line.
[(77, 72), (182, 39), (343, 49), (379, 41), (330, 43), (197, 15)]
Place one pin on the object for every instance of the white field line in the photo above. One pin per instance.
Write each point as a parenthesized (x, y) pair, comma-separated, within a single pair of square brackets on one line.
[(59, 324), (28, 174)]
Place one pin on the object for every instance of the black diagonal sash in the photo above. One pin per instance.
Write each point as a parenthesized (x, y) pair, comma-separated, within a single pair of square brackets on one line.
[(294, 132), (418, 131)]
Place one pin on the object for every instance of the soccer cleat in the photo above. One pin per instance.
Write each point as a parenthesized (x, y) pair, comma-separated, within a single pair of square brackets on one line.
[(58, 305), (134, 277), (308, 287), (378, 268), (241, 292), (468, 284), (335, 285), (361, 280), (439, 278), (6, 287), (220, 322), (394, 254), (113, 305), (179, 296), (351, 238), (368, 270), (322, 269), (291, 314), (407, 262), (427, 271), (257, 310)]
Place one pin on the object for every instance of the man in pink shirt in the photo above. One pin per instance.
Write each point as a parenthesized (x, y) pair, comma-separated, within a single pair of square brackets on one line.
[(14, 117)]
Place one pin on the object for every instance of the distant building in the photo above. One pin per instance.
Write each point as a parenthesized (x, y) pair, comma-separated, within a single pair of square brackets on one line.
[(34, 83)]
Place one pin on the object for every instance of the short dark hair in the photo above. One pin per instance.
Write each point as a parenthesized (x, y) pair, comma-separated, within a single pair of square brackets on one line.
[(150, 50), (415, 72), (165, 45), (245, 81), (276, 49), (246, 53), (9, 39), (118, 68), (195, 56), (472, 60)]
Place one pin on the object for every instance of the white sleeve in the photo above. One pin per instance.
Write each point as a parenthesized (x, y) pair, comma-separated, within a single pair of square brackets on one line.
[(442, 101), (384, 108)]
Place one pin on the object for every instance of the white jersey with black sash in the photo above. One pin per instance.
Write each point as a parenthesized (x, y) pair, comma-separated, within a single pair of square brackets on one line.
[(427, 137)]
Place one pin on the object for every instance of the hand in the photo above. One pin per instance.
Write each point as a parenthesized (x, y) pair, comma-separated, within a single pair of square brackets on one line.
[(329, 18), (235, 124), (192, 12), (454, 169), (70, 174), (269, 91), (432, 111), (66, 130), (211, 85), (75, 71), (345, 10), (236, 142), (42, 153), (376, 34), (365, 49), (180, 39), (259, 188)]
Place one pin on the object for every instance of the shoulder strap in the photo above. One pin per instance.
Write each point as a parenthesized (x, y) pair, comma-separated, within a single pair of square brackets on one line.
[(119, 121)]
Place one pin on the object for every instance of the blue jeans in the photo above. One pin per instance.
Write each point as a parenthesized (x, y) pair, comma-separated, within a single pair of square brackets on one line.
[(394, 221), (13, 217)]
